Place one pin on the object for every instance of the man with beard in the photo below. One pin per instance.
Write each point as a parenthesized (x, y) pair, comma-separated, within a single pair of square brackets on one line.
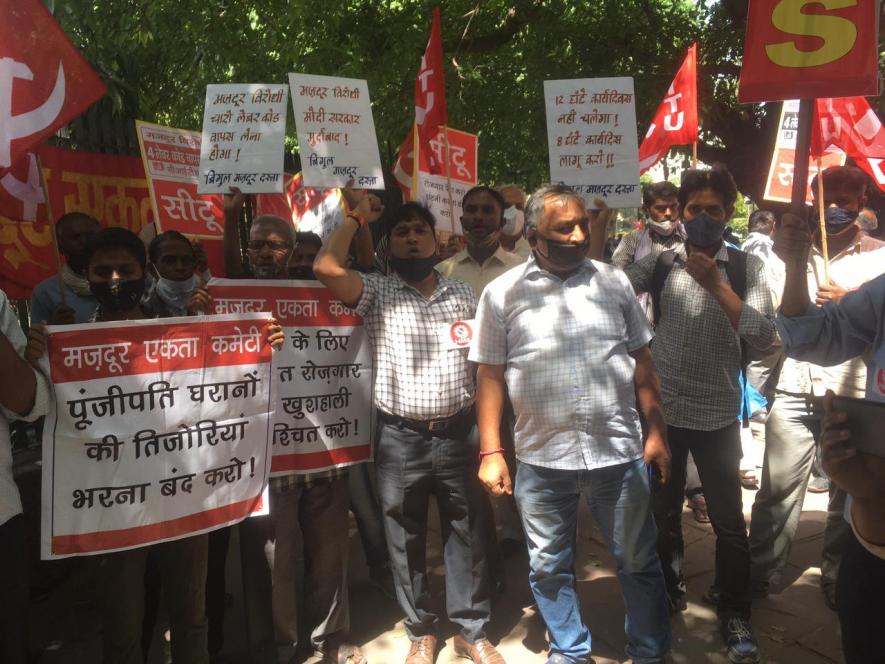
[(424, 392), (316, 503), (566, 339), (712, 298), (73, 231), (484, 259)]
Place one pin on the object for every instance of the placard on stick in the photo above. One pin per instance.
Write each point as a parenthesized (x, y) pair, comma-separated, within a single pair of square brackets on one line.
[(244, 128), (591, 135), (336, 131)]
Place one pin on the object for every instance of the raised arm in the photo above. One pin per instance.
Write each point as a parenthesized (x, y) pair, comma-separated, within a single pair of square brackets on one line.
[(233, 252)]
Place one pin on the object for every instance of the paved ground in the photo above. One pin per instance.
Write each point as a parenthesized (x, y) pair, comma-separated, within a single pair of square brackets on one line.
[(793, 626)]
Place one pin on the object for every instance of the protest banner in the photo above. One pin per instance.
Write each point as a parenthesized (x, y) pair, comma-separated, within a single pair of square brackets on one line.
[(244, 130), (312, 210), (171, 161), (779, 185), (159, 430), (801, 49), (336, 131), (433, 190), (111, 188), (850, 124), (591, 136), (323, 379)]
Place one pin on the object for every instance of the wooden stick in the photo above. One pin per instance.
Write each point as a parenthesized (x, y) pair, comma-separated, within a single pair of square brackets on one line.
[(821, 211), (449, 178), (800, 162), (51, 221), (694, 154), (413, 192)]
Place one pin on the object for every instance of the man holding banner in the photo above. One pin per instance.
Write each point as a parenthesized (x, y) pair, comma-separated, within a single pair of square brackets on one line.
[(424, 391)]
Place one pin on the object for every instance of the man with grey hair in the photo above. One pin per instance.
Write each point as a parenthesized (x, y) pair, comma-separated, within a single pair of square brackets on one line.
[(512, 238), (565, 337)]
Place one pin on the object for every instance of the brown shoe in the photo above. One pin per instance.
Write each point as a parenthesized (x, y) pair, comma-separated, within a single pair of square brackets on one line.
[(481, 652), (423, 651)]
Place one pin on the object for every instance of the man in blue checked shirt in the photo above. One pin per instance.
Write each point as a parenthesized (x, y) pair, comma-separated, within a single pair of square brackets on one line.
[(565, 337)]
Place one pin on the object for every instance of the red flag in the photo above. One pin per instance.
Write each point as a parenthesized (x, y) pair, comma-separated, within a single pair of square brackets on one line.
[(676, 122), (21, 190), (430, 111), (44, 81), (850, 124)]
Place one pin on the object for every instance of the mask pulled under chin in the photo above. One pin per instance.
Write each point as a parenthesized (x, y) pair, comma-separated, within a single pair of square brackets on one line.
[(412, 269), (703, 230), (665, 228), (565, 254), (117, 295), (836, 219)]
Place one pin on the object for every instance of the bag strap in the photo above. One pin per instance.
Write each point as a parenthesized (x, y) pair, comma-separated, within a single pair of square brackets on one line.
[(736, 271), (662, 270)]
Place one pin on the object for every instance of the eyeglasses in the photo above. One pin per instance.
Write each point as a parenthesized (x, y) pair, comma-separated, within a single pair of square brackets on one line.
[(276, 247)]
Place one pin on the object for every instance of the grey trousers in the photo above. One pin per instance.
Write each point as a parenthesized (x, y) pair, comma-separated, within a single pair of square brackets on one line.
[(269, 548), (411, 468), (791, 432)]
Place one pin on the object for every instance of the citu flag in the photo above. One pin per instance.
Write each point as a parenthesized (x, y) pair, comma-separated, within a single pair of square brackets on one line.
[(676, 120), (850, 124), (44, 81), (430, 113)]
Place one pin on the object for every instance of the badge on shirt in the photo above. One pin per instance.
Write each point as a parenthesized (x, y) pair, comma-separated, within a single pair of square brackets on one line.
[(457, 335)]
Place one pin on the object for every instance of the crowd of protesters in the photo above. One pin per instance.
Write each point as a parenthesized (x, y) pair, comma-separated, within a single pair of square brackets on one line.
[(626, 382)]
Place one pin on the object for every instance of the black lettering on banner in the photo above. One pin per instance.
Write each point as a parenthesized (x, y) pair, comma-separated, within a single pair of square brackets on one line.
[(159, 395), (108, 496), (296, 406), (218, 392)]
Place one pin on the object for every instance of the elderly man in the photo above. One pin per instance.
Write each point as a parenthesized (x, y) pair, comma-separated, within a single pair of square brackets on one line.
[(566, 339), (512, 237), (424, 392)]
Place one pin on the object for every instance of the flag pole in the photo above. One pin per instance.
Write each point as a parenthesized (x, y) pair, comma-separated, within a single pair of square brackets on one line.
[(821, 209), (51, 221), (412, 193), (694, 155), (449, 178)]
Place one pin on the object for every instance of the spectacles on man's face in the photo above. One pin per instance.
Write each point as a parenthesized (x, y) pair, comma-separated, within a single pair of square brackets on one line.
[(274, 246)]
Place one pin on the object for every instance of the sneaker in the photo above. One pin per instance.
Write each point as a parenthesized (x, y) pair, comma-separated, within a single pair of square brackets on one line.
[(740, 646)]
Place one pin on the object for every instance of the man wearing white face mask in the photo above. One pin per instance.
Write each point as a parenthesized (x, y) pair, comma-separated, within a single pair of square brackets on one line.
[(173, 261), (512, 238)]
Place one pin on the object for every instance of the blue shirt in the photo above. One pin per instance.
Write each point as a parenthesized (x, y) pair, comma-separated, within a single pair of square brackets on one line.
[(45, 299), (837, 332)]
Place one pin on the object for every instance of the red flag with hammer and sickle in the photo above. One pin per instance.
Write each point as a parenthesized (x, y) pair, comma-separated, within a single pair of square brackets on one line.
[(44, 81)]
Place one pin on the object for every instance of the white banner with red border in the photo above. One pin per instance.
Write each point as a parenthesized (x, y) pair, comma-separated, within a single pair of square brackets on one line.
[(322, 377), (158, 430)]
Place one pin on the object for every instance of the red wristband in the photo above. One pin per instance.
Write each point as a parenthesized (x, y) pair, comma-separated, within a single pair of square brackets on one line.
[(358, 218), (482, 454)]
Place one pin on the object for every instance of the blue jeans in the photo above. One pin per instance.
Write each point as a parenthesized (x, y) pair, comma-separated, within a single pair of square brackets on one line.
[(618, 497)]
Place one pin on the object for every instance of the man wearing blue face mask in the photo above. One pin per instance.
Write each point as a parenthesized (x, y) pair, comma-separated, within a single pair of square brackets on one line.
[(708, 299), (793, 426)]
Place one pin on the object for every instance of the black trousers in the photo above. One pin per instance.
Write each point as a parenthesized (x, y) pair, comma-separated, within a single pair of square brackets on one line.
[(860, 590), (717, 455), (13, 591)]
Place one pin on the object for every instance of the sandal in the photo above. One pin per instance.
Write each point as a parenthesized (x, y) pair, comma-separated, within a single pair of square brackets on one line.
[(350, 655), (698, 505)]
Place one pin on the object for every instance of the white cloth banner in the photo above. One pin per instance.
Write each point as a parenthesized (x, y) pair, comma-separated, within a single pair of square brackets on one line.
[(159, 430), (591, 136), (336, 131), (244, 129), (322, 377)]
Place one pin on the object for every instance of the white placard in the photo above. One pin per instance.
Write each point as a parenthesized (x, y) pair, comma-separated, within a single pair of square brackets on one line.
[(433, 193), (336, 131), (244, 129), (591, 136)]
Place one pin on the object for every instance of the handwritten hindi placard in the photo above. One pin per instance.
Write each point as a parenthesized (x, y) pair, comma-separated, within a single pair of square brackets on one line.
[(244, 129), (322, 376), (591, 136), (159, 430), (336, 131), (434, 191), (171, 162)]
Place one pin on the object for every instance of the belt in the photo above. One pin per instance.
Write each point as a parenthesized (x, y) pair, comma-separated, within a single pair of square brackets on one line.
[(431, 427)]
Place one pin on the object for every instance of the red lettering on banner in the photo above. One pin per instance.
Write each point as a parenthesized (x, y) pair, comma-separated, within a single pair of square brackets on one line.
[(99, 351)]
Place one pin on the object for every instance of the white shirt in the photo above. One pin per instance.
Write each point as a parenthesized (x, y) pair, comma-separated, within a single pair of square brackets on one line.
[(569, 373), (464, 267), (10, 501)]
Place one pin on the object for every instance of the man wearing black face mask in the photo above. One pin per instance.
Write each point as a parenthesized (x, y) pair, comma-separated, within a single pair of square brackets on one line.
[(709, 299), (424, 392), (792, 427), (74, 230), (307, 246)]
